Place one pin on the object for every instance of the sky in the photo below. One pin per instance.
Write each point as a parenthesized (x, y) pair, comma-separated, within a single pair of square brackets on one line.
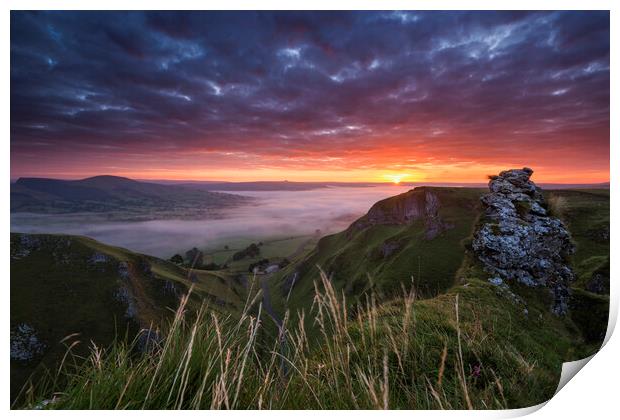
[(324, 96)]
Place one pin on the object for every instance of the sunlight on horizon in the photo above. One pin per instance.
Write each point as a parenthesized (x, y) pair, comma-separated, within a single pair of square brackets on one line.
[(396, 178)]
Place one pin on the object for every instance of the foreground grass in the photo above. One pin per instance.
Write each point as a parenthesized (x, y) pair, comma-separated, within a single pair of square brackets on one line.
[(469, 348), (86, 294)]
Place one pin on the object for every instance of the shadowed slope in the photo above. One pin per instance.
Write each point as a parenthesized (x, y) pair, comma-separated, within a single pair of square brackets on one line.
[(63, 285)]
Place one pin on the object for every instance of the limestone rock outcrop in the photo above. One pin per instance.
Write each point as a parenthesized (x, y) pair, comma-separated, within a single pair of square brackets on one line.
[(420, 203), (25, 344), (519, 241)]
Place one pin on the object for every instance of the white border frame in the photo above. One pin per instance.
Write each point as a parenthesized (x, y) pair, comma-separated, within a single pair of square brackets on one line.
[(593, 394)]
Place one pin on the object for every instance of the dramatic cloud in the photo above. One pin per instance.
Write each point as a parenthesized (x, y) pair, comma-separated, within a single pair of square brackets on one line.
[(214, 95)]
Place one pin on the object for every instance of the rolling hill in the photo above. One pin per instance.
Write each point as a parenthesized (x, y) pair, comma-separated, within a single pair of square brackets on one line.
[(118, 195), (423, 238), (399, 291), (419, 234), (63, 285)]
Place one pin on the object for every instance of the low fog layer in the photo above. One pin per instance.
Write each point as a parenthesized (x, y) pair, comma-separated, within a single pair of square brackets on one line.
[(276, 214)]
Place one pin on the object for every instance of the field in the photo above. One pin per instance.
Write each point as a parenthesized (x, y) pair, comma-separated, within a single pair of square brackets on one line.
[(271, 247)]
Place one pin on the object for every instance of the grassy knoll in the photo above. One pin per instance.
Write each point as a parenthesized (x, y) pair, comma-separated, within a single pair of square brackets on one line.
[(63, 285), (468, 348), (586, 214), (384, 256)]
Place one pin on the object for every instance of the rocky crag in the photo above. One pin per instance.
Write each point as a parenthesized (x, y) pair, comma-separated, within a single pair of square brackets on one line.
[(518, 240), (417, 204)]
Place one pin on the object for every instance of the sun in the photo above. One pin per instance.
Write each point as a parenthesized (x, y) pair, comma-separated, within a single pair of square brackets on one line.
[(396, 178)]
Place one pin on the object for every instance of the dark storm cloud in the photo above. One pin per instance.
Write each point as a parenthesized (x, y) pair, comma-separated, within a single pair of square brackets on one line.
[(279, 83)]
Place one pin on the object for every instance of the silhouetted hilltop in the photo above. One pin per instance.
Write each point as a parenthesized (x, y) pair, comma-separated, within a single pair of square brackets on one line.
[(108, 193)]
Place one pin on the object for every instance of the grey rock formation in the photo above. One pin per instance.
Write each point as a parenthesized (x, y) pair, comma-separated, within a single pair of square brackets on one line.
[(25, 344), (123, 270), (24, 246), (98, 258), (420, 203), (518, 241), (145, 267), (170, 288), (390, 247), (124, 296), (98, 261)]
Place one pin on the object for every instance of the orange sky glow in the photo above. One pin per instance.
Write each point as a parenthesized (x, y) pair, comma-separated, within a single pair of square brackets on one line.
[(351, 97), (377, 165)]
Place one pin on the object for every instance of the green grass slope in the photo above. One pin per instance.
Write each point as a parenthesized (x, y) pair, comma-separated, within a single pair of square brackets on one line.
[(381, 252), (402, 316), (384, 254), (470, 347), (586, 214), (63, 285)]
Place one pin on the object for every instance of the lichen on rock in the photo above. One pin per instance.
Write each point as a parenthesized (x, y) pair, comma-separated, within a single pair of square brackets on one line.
[(124, 296), (25, 344), (519, 241), (420, 203), (98, 258), (123, 270)]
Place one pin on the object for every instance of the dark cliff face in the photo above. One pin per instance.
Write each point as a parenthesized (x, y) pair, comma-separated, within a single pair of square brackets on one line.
[(519, 241), (418, 233), (418, 204)]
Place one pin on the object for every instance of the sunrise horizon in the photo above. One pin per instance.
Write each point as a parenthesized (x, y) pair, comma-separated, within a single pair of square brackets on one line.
[(313, 97), (385, 179)]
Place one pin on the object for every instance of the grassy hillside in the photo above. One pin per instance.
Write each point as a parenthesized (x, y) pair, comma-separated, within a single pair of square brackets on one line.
[(586, 214), (387, 254), (63, 285), (221, 252), (470, 347), (394, 312)]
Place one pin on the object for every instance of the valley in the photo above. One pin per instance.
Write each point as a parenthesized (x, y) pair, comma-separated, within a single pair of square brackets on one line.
[(270, 215), (412, 248)]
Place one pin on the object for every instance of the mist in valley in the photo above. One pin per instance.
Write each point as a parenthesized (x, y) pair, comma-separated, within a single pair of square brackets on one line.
[(275, 214)]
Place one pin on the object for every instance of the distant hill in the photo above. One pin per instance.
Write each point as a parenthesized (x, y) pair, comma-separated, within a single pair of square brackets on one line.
[(598, 186), (304, 186), (115, 194), (63, 285), (270, 185)]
